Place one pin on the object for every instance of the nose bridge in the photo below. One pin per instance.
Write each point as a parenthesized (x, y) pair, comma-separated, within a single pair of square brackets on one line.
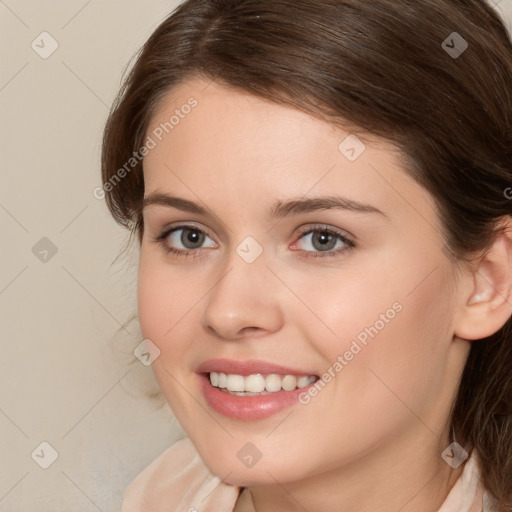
[(241, 297), (246, 262)]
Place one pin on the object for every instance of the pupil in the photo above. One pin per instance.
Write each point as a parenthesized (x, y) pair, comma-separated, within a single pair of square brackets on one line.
[(323, 238), (193, 236)]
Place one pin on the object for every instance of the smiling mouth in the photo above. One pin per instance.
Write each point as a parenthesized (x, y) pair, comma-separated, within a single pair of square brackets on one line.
[(258, 384)]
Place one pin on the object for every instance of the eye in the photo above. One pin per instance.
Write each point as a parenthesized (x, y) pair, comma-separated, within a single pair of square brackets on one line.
[(324, 240), (190, 237)]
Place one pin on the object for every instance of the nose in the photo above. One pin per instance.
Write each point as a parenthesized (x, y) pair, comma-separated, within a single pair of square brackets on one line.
[(244, 301)]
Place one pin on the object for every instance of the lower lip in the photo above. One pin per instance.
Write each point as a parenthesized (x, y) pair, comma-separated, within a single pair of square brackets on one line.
[(248, 407)]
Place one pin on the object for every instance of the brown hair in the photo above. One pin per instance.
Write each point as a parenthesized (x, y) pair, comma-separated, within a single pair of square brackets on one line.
[(394, 68)]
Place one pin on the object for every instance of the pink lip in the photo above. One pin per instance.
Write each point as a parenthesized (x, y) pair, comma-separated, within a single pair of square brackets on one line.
[(247, 407), (248, 367)]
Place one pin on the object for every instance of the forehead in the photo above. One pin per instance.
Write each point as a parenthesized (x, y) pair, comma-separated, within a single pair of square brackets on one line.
[(225, 142), (234, 123)]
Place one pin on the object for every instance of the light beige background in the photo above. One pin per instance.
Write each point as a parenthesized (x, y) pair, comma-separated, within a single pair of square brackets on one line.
[(67, 372), (67, 376)]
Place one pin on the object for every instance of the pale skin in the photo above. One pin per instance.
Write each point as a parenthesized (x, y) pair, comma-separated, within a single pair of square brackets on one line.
[(372, 439)]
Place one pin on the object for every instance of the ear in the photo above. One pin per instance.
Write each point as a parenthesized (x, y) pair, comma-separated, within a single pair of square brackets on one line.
[(487, 303)]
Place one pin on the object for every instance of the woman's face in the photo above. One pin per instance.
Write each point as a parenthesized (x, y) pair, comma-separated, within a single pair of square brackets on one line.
[(360, 295)]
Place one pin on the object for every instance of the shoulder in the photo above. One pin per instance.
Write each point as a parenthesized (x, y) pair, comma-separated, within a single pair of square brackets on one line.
[(484, 497), (468, 493), (178, 480)]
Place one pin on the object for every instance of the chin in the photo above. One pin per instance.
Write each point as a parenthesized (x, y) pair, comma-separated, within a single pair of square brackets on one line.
[(263, 472)]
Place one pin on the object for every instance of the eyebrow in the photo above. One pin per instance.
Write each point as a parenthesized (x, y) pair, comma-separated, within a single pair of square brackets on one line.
[(280, 209)]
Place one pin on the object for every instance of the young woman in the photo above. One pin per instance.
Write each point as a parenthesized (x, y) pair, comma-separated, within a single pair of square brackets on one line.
[(321, 192)]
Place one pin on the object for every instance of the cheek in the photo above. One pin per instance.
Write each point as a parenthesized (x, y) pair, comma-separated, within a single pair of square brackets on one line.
[(165, 299), (339, 307), (389, 322), (165, 307), (151, 302), (396, 305)]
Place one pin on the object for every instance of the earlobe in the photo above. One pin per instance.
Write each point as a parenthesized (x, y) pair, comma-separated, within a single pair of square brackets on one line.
[(488, 306)]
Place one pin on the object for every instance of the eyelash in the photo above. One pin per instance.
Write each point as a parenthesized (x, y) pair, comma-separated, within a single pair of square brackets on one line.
[(195, 253)]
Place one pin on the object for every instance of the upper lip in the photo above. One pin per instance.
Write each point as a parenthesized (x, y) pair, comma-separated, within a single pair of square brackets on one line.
[(247, 367)]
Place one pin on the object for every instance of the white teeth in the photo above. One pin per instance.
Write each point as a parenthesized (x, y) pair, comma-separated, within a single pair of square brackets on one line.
[(302, 382), (256, 384), (214, 379), (235, 382), (289, 382), (273, 382)]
